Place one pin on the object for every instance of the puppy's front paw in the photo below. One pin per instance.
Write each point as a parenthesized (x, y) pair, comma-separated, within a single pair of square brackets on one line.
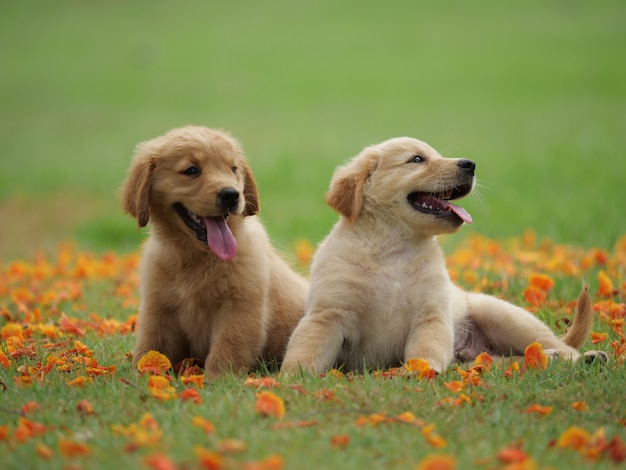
[(552, 354), (593, 356)]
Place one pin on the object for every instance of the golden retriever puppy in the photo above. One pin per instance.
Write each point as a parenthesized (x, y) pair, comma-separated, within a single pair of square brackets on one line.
[(380, 293), (211, 284)]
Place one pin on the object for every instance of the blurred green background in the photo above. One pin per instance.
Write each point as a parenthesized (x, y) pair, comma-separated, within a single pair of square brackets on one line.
[(534, 92)]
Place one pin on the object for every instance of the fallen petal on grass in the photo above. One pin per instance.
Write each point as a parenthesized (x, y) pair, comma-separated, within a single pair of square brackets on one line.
[(269, 404), (535, 357), (153, 362), (437, 462)]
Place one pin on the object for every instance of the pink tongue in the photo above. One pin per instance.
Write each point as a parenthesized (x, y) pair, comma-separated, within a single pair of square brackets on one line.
[(462, 213), (220, 238)]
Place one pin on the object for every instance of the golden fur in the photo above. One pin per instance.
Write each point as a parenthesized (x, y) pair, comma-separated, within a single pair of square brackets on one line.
[(380, 293), (211, 284)]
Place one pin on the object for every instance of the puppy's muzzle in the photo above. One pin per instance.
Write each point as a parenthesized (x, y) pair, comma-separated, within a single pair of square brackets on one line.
[(228, 199)]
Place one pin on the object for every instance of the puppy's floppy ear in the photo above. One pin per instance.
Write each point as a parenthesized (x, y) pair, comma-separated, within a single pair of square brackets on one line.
[(136, 189), (346, 187), (250, 190)]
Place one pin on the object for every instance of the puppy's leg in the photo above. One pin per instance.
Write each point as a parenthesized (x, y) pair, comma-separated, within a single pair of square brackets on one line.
[(236, 343), (431, 338), (510, 329), (314, 345), (158, 331)]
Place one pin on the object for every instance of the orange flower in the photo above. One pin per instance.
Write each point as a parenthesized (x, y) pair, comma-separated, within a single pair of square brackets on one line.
[(208, 459), (27, 429), (44, 451), (470, 376), (437, 462), (191, 394), (160, 388), (340, 441), (12, 330), (541, 281), (373, 420), (598, 337), (580, 406), (512, 369), (80, 348), (409, 418), (204, 424), (273, 462), (455, 386), (573, 438), (510, 455), (542, 410), (535, 357), (29, 407), (4, 432), (195, 379), (421, 367), (605, 285), (4, 360), (68, 326), (334, 373), (153, 362), (269, 404), (484, 360), (69, 448), (534, 296), (145, 433), (160, 462), (79, 381), (432, 438), (267, 382), (147, 421)]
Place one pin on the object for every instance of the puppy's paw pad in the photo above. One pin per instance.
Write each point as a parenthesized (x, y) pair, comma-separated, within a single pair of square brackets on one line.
[(593, 356)]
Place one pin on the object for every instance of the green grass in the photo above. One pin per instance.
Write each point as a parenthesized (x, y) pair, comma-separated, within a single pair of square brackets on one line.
[(533, 92), (500, 419), (81, 284)]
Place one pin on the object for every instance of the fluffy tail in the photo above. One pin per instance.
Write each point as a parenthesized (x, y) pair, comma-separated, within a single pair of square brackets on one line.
[(580, 327)]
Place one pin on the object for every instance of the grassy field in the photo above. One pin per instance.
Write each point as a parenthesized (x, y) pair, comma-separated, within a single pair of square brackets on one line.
[(534, 92), (70, 398)]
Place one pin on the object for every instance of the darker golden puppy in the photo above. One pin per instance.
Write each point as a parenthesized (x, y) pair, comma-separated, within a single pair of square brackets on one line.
[(212, 286), (380, 293)]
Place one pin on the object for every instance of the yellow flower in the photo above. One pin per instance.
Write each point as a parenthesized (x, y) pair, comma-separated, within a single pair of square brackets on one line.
[(153, 362)]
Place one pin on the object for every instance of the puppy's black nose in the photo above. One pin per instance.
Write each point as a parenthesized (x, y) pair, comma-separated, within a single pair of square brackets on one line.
[(228, 198), (467, 166)]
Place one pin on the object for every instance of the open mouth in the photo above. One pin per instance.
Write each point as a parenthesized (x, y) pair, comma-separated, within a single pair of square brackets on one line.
[(213, 231), (438, 204)]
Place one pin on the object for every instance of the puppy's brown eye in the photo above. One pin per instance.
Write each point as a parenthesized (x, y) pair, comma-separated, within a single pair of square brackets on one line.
[(192, 171), (417, 159), (233, 169)]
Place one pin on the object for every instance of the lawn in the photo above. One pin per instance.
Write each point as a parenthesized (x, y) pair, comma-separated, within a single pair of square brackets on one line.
[(534, 92), (70, 398)]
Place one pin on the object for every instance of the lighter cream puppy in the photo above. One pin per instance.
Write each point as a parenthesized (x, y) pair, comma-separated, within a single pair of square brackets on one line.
[(380, 293), (212, 286)]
